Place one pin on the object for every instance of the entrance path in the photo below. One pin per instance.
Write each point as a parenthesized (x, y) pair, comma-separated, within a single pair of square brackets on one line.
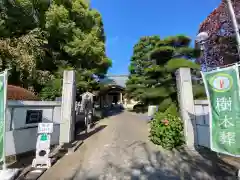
[(120, 150)]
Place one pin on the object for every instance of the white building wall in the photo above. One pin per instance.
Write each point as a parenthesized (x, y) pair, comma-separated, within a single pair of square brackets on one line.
[(20, 136)]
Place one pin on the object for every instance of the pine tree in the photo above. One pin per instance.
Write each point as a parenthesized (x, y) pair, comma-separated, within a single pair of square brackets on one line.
[(139, 61), (157, 82)]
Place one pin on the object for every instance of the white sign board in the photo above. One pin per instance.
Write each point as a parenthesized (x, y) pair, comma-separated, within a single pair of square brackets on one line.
[(45, 128), (42, 159)]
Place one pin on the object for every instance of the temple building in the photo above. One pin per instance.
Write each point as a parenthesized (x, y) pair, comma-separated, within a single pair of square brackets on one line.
[(113, 91)]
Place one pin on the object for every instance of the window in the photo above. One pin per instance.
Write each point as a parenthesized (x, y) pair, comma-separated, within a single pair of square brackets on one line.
[(34, 116)]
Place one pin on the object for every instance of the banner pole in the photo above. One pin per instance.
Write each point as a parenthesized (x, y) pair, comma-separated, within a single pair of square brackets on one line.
[(4, 123), (237, 69)]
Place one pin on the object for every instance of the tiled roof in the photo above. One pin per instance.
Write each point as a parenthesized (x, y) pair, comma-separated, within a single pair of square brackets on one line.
[(119, 80)]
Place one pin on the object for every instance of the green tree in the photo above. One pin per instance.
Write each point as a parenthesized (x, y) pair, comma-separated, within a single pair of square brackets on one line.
[(139, 61), (158, 81), (41, 38), (76, 31)]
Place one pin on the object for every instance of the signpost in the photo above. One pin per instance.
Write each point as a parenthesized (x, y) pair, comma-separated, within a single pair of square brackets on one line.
[(42, 159), (223, 91)]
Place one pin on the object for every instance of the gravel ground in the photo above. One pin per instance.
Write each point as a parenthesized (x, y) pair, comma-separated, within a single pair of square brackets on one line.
[(122, 151)]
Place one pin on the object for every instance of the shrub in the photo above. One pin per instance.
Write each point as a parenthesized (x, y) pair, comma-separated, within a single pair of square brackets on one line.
[(172, 109), (199, 91), (52, 90), (167, 130)]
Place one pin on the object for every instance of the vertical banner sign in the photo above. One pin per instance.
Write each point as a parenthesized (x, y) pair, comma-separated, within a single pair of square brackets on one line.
[(3, 92), (222, 88)]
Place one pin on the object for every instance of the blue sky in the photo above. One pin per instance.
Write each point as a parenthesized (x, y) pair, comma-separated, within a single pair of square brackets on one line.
[(125, 21)]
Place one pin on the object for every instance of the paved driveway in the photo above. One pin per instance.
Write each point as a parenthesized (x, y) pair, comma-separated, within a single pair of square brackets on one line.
[(120, 150)]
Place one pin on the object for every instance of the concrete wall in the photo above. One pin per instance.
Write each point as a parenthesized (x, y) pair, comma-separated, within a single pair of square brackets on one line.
[(20, 136), (202, 122)]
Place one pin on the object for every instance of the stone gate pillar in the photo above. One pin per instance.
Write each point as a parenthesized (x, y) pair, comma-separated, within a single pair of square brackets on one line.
[(186, 103), (67, 126)]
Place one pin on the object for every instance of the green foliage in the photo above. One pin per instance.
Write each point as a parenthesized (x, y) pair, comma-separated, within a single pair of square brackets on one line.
[(177, 41), (175, 63), (52, 89), (198, 85), (173, 110), (140, 60), (167, 130), (163, 106), (39, 39), (162, 54), (199, 91), (152, 70)]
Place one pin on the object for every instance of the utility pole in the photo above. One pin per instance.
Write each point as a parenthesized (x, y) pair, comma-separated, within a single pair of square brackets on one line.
[(235, 23)]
